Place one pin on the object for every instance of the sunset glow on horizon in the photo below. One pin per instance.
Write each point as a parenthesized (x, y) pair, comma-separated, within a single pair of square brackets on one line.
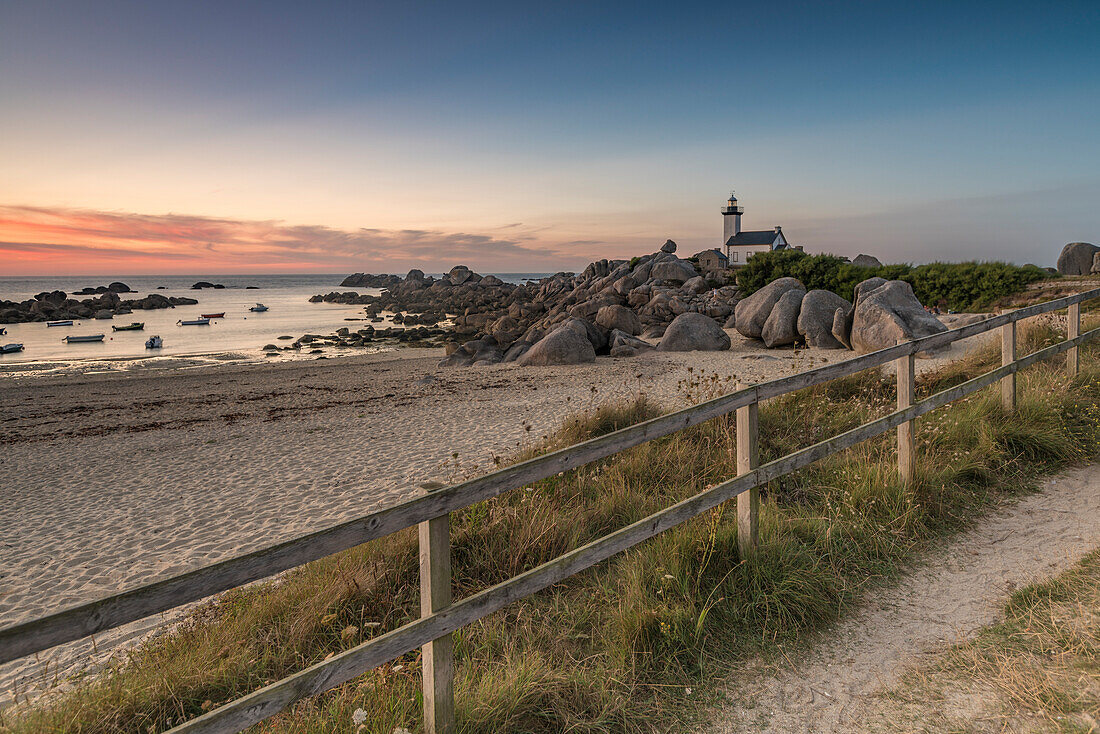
[(181, 138)]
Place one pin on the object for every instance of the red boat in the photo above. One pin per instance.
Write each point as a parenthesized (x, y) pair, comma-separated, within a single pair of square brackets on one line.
[(214, 315)]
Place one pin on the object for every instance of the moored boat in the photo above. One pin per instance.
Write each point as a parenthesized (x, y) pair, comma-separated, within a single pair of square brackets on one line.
[(213, 315), (194, 322), (84, 338), (3, 331), (153, 342), (67, 322), (10, 348), (135, 326), (258, 308)]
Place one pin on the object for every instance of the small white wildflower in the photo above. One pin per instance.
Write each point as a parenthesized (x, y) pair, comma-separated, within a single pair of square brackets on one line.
[(687, 691), (398, 668), (358, 716), (401, 730)]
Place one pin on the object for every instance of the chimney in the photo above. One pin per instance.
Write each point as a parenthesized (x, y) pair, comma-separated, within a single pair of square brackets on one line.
[(778, 228)]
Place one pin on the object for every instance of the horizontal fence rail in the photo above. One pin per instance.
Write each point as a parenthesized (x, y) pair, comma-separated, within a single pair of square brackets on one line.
[(80, 621)]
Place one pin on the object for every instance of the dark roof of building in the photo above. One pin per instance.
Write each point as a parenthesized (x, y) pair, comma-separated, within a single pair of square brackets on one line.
[(763, 237), (717, 252)]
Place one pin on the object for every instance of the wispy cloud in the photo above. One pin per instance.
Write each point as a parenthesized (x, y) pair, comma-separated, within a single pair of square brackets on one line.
[(40, 239)]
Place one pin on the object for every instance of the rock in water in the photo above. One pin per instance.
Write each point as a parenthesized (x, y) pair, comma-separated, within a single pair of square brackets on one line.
[(751, 312), (1076, 258), (889, 314), (563, 345), (619, 317), (691, 331), (817, 316), (781, 328)]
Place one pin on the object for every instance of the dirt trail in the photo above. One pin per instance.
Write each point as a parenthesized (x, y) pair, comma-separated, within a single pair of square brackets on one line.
[(954, 592)]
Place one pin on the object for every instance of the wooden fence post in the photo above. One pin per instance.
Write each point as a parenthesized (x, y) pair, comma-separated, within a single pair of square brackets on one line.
[(907, 388), (1008, 356), (1073, 330), (748, 503), (437, 656)]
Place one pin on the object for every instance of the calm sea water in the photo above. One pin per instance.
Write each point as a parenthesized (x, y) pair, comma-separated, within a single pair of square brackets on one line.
[(286, 296)]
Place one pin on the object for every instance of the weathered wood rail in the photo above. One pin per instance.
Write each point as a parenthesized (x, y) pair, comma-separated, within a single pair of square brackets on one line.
[(430, 512)]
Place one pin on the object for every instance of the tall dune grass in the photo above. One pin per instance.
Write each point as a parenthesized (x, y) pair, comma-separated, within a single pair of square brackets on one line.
[(635, 644)]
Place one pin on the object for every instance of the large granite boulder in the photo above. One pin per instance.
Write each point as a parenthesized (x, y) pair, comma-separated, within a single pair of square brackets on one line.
[(781, 327), (867, 286), (564, 345), (626, 345), (817, 316), (1076, 258), (669, 246), (750, 313), (674, 271), (619, 317), (889, 314), (1095, 263), (691, 332)]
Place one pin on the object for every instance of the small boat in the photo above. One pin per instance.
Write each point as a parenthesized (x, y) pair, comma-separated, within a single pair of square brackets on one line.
[(135, 326), (153, 342), (60, 323), (3, 331), (258, 308), (9, 348), (213, 315), (194, 322), (84, 338)]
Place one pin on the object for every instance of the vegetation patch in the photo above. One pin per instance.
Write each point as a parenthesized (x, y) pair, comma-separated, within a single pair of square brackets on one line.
[(637, 643), (968, 286)]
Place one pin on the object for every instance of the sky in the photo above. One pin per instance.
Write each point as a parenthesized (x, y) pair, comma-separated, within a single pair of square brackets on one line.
[(220, 137)]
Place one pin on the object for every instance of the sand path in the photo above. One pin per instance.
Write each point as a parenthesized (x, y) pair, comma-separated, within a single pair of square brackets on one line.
[(954, 592)]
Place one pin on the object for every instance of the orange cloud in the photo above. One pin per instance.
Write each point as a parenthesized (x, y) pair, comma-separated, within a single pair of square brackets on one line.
[(45, 240)]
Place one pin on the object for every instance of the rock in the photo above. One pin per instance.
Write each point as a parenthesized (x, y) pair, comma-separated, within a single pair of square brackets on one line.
[(655, 331), (414, 276), (620, 318), (731, 322), (781, 328), (491, 280), (752, 312), (842, 326), (867, 286), (694, 332), (866, 261), (889, 314), (674, 271), (816, 318), (669, 246), (596, 336), (698, 284), (459, 274), (117, 287), (564, 345), (104, 313), (1095, 263), (1076, 258), (622, 339)]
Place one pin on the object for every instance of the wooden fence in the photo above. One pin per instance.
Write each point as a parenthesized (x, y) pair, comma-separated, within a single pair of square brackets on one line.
[(440, 616)]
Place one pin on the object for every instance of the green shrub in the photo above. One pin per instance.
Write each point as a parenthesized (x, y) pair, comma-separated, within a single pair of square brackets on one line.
[(959, 286)]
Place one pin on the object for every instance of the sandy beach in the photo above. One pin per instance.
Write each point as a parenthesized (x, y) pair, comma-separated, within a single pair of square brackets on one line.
[(114, 480)]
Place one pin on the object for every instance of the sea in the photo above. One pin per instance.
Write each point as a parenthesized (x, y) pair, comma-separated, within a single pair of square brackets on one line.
[(240, 332)]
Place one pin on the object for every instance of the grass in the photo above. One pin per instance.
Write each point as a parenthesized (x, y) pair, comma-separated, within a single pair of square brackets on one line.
[(634, 644), (1038, 670)]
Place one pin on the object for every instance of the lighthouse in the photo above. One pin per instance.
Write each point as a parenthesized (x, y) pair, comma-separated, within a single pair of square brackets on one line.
[(731, 218)]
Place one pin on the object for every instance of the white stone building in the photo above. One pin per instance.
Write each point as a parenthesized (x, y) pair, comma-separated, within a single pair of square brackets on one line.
[(740, 245)]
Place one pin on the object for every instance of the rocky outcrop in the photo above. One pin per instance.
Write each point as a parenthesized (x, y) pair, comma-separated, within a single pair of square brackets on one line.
[(206, 284), (620, 318), (690, 332), (113, 287), (1076, 258), (753, 311), (366, 280), (888, 314), (56, 306), (817, 317)]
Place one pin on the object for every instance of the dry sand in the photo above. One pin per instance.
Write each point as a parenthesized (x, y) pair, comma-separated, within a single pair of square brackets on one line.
[(114, 480)]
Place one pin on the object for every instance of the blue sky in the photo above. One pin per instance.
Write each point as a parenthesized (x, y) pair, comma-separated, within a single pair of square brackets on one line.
[(526, 138)]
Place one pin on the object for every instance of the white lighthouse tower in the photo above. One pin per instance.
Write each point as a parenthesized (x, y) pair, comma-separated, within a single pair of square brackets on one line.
[(731, 219)]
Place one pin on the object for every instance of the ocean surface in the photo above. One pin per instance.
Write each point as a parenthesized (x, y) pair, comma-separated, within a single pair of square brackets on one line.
[(286, 296)]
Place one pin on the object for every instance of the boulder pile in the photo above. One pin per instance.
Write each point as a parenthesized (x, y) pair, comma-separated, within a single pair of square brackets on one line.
[(56, 306), (884, 312)]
